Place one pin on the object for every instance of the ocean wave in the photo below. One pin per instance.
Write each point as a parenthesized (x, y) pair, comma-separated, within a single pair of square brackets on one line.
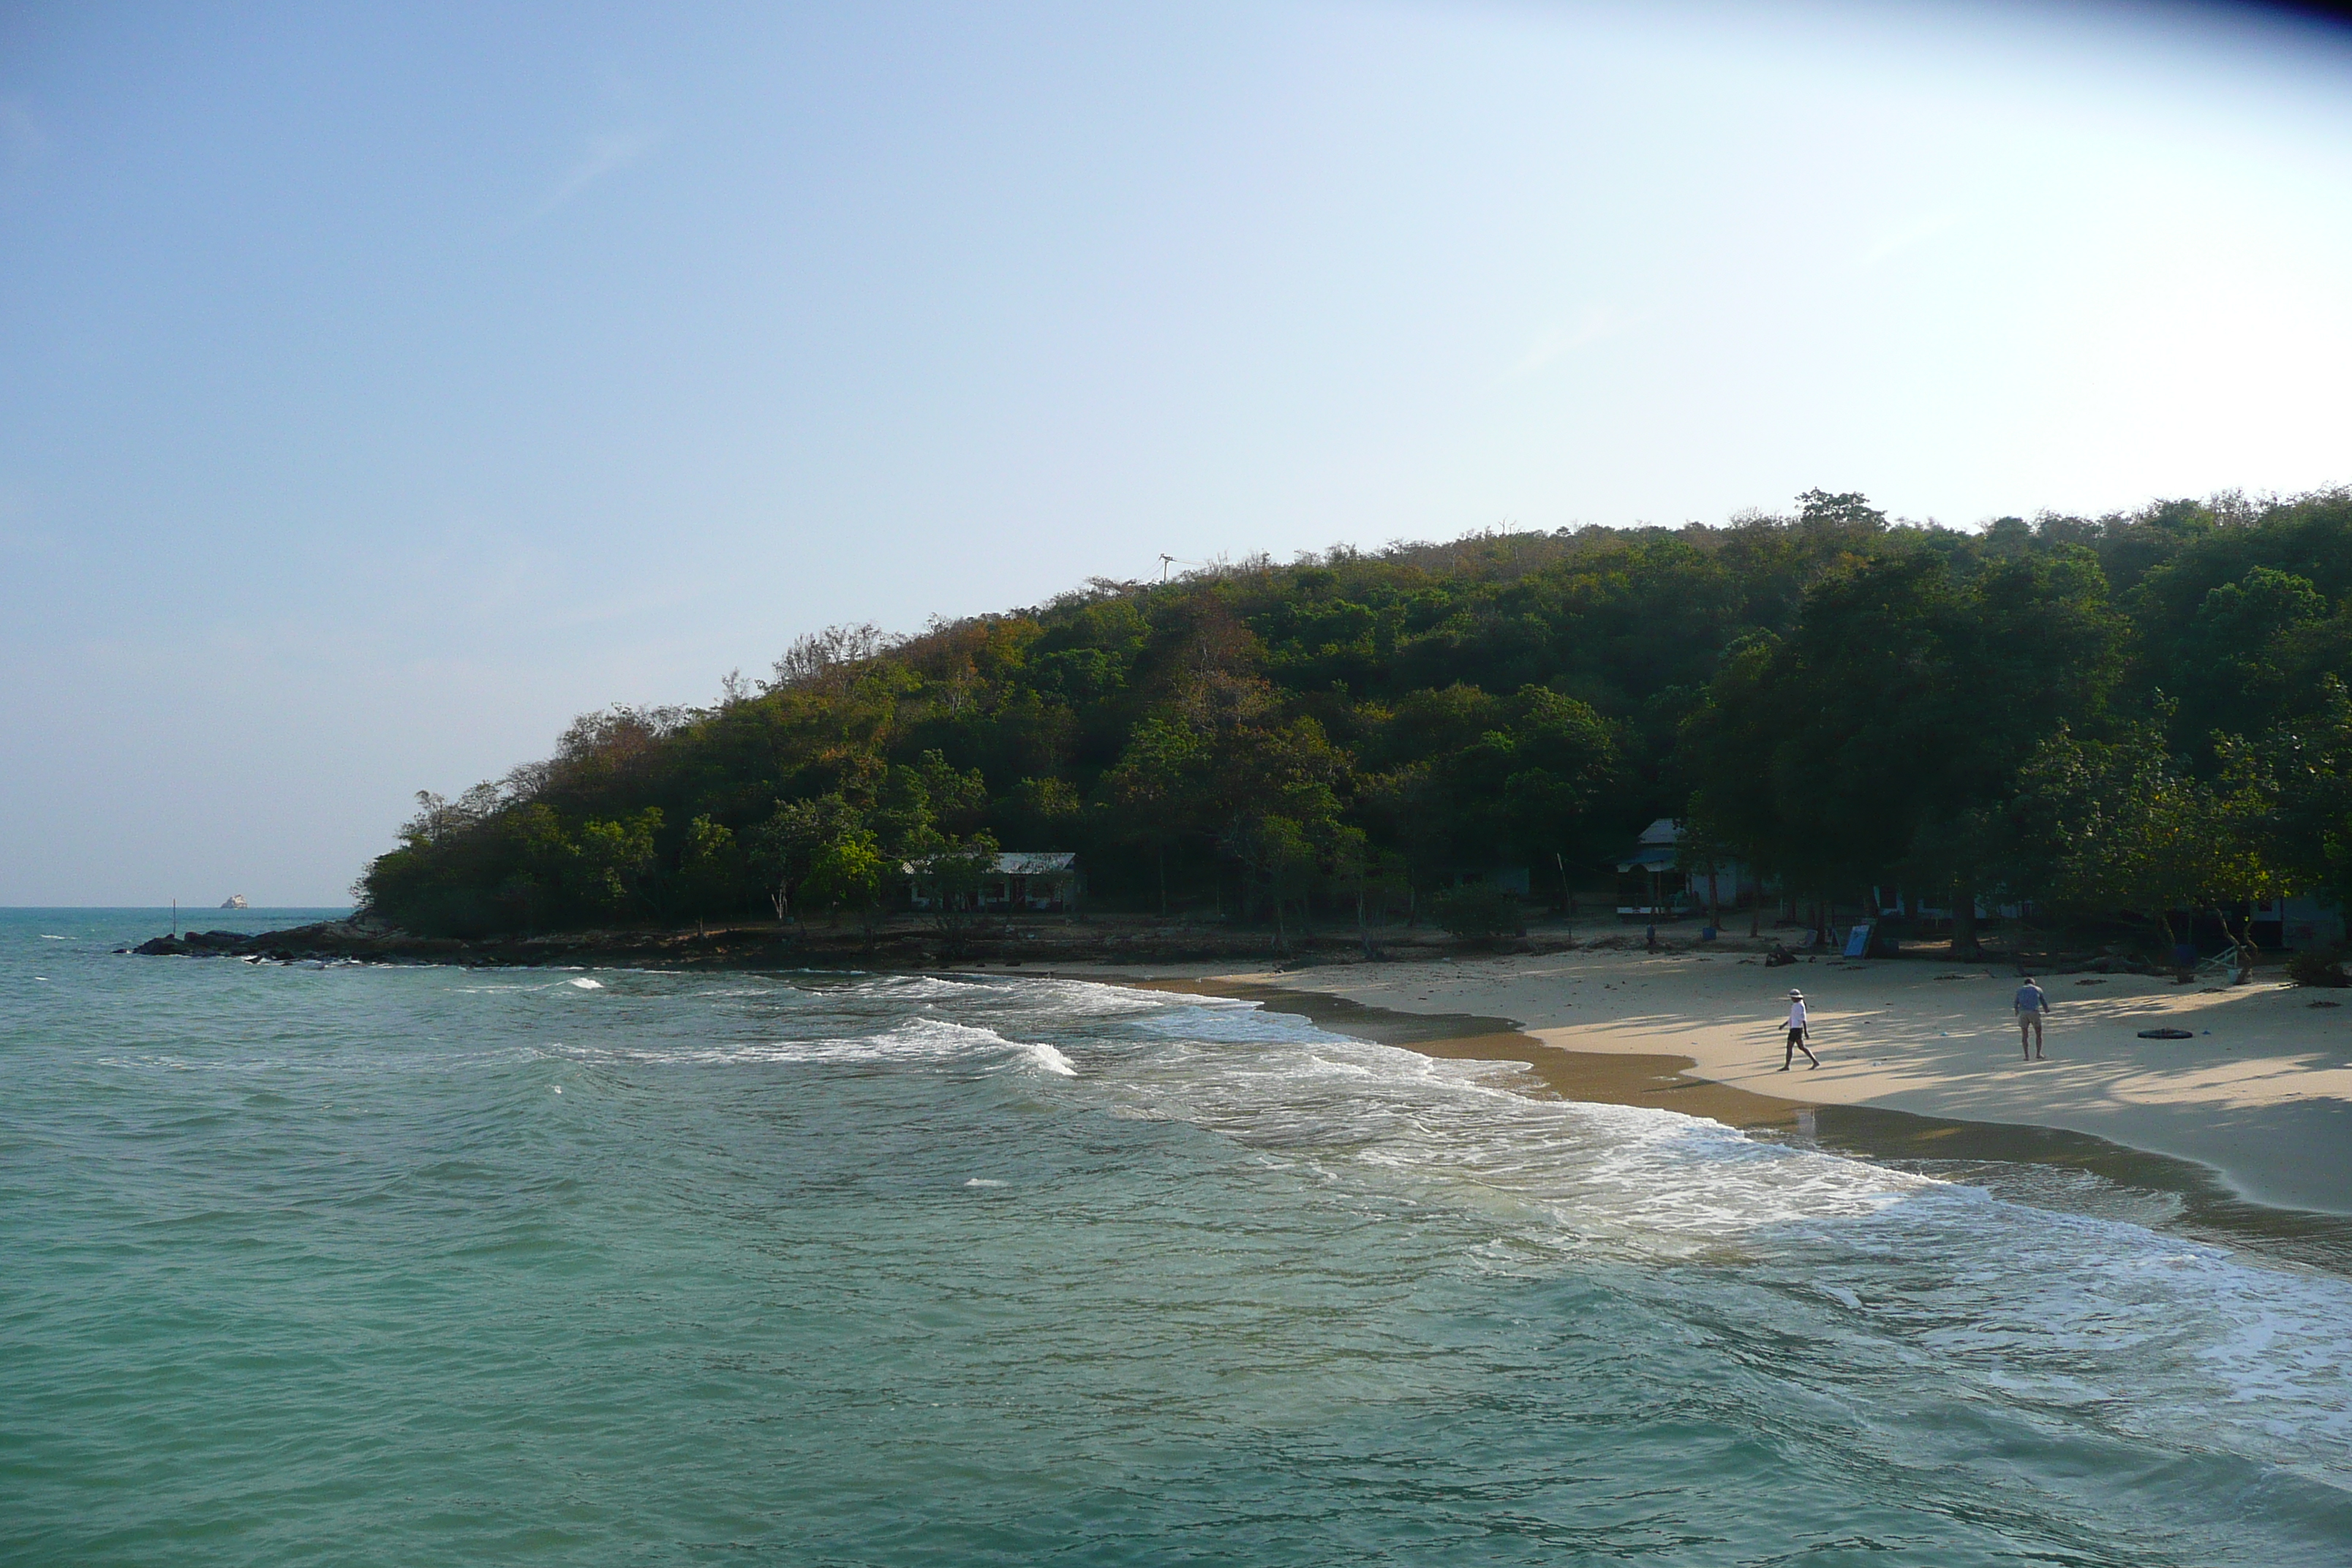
[(2132, 1329), (1650, 1180), (916, 1041), (923, 987)]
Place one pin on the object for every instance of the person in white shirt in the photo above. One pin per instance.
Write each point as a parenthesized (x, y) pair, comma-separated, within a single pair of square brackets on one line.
[(1798, 1030)]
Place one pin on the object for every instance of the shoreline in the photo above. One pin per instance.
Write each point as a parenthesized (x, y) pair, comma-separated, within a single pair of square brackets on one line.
[(2245, 1126), (2260, 1090), (2035, 1162)]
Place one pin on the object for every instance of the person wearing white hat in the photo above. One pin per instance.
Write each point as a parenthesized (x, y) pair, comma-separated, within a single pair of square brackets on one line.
[(1798, 1030)]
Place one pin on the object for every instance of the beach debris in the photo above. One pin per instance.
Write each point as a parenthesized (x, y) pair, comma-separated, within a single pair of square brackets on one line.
[(2090, 983), (2323, 1003), (2168, 1035)]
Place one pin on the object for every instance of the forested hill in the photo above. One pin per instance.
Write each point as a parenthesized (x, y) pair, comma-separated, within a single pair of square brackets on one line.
[(2127, 714)]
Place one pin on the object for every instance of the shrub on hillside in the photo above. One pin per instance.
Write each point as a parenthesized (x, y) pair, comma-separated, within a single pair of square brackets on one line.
[(2317, 968), (1480, 912)]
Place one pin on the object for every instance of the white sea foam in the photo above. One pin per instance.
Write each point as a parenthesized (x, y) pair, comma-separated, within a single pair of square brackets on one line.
[(585, 983), (2141, 1330), (1050, 1059), (2134, 1331), (923, 987), (920, 1041), (1088, 999), (1646, 1177)]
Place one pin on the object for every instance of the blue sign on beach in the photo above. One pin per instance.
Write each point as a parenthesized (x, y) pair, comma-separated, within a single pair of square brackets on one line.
[(1857, 941)]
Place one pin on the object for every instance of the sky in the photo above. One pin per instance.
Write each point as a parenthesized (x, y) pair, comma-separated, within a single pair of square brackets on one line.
[(382, 386)]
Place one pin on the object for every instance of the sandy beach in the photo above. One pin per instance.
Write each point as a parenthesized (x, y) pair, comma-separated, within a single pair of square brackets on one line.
[(2261, 1092)]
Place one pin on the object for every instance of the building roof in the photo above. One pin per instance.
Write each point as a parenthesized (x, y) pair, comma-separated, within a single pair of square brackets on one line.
[(1019, 863), (1654, 857), (1654, 849), (1037, 862)]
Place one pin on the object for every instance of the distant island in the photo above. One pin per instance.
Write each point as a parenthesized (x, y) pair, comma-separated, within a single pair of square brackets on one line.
[(2141, 719)]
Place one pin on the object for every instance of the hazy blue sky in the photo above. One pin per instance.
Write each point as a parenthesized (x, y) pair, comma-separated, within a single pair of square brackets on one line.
[(379, 386)]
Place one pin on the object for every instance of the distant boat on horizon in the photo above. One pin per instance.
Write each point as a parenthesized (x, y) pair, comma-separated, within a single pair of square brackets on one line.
[(234, 901)]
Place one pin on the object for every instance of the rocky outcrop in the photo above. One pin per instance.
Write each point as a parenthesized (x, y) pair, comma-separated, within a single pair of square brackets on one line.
[(329, 939), (900, 945)]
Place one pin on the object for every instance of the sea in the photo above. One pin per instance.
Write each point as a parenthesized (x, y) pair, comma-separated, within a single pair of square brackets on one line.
[(359, 1263)]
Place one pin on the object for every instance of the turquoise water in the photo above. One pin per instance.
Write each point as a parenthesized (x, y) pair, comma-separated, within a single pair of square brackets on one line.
[(362, 1265)]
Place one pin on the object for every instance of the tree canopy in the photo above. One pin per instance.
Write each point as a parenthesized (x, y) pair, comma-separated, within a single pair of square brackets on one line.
[(1840, 699)]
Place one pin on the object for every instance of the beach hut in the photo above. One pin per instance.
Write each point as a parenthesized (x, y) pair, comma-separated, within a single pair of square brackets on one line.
[(1648, 883), (1033, 879), (1654, 880), (1020, 881)]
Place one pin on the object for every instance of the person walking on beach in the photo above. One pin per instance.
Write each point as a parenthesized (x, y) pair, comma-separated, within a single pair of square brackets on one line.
[(2031, 1005), (1798, 1030)]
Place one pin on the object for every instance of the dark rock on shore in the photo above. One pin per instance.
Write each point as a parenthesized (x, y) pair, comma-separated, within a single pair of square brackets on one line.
[(329, 939), (908, 944), (894, 945)]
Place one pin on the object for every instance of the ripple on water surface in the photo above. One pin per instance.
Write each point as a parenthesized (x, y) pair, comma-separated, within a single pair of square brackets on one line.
[(312, 1265)]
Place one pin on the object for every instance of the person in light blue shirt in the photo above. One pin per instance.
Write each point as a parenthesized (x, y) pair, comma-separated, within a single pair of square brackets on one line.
[(2031, 1007)]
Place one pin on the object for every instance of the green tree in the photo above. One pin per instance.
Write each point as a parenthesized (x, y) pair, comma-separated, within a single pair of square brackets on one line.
[(1151, 790), (785, 847), (1365, 871), (847, 876), (1280, 855), (2296, 786), (1563, 756), (1849, 508), (1848, 698), (615, 866), (710, 868), (1885, 731), (1480, 911), (2130, 832), (927, 797), (952, 874), (2231, 670)]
